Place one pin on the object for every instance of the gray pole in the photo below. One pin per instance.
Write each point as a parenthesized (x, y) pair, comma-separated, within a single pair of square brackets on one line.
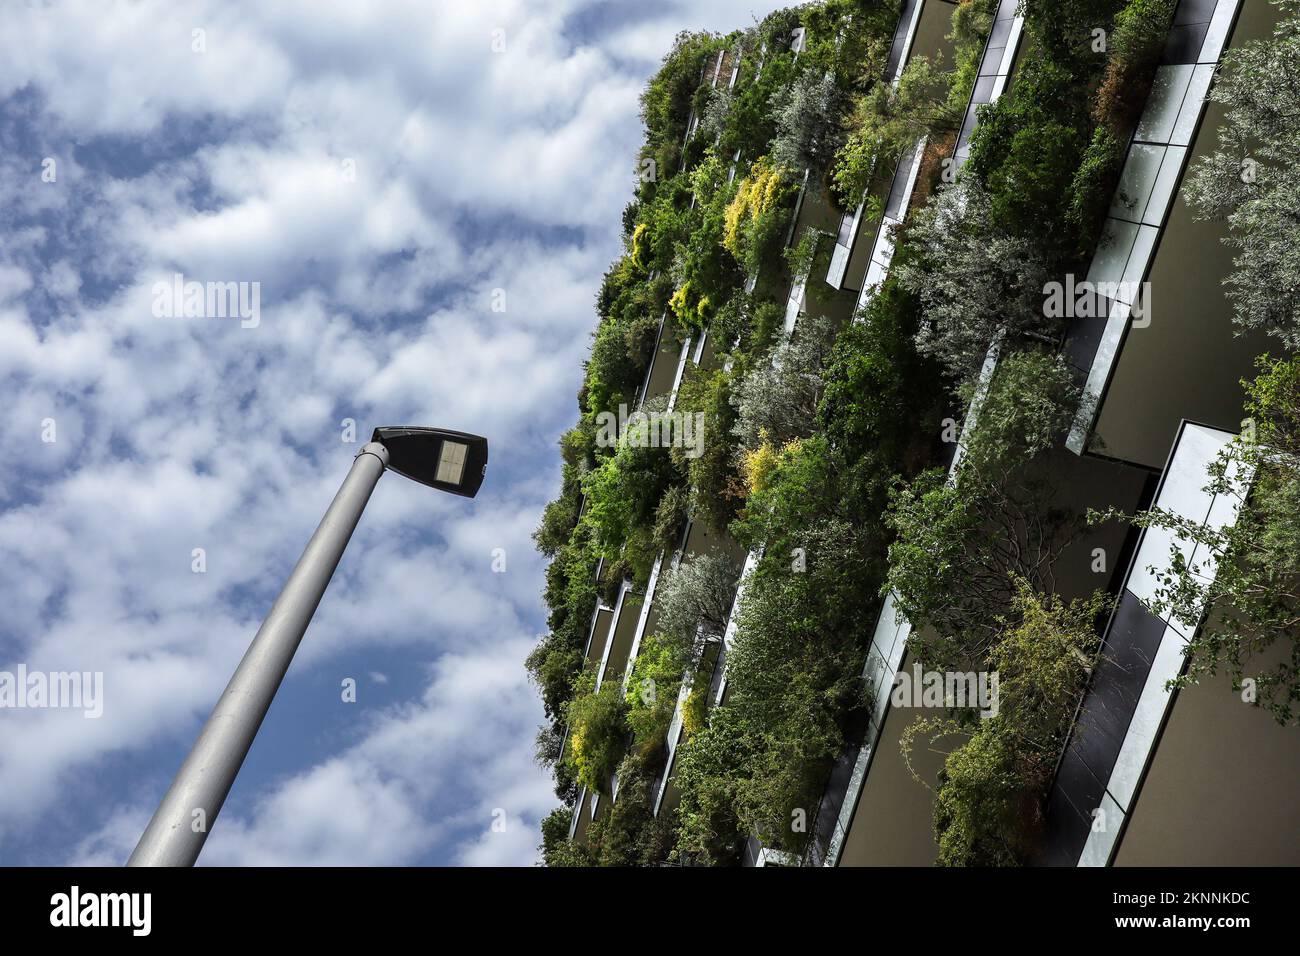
[(176, 833)]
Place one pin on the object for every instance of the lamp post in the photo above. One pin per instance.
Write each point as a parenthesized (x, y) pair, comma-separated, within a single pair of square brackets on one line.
[(449, 461)]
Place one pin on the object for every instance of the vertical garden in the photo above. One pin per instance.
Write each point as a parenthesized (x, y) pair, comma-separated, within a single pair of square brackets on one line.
[(828, 431)]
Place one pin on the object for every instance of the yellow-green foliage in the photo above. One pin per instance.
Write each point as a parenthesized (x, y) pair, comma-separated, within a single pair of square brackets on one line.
[(759, 465), (680, 300), (695, 709), (652, 690), (757, 212), (597, 731), (690, 308), (638, 245), (757, 194)]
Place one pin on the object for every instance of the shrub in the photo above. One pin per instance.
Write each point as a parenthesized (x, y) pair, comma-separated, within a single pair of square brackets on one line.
[(639, 250), (758, 465), (758, 214), (848, 39), (612, 375), (1134, 49), (1064, 29), (1040, 168), (1027, 147), (577, 448), (793, 668), (1093, 188), (597, 732), (571, 594), (887, 121), (630, 834), (623, 492), (698, 592), (704, 272), (989, 803), (666, 101), (972, 22), (615, 573), (667, 218), (670, 517), (630, 307), (558, 519), (639, 335), (652, 690), (695, 708), (710, 769), (555, 670), (718, 491), (713, 117), (960, 544), (768, 317), (879, 391), (749, 125), (800, 256), (556, 847), (777, 401)]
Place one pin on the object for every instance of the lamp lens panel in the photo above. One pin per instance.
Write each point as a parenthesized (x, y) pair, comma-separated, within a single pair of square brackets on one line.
[(451, 462)]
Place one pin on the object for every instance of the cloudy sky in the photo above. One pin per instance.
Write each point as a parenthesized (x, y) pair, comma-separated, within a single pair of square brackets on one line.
[(387, 171)]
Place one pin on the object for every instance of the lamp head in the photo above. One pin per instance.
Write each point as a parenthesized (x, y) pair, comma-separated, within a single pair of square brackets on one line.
[(450, 461)]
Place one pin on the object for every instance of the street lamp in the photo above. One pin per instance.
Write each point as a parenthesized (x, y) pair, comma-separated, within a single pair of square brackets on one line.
[(449, 461)]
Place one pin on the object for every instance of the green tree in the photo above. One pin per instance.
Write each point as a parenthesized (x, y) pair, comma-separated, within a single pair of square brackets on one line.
[(974, 278), (667, 99), (556, 848), (597, 732), (652, 690), (704, 273), (962, 544), (989, 803), (696, 594), (623, 493), (887, 121)]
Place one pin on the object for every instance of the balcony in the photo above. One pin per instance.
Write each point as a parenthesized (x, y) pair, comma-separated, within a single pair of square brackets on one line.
[(1179, 335), (995, 69), (1127, 700)]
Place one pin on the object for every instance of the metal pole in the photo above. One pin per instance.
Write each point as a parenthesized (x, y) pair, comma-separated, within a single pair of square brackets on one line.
[(181, 823)]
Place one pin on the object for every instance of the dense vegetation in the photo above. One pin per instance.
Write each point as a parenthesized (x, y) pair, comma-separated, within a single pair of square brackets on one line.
[(825, 448), (704, 221), (988, 807), (972, 564)]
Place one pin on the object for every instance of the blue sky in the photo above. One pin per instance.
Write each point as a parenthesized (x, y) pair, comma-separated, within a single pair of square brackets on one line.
[(380, 170)]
